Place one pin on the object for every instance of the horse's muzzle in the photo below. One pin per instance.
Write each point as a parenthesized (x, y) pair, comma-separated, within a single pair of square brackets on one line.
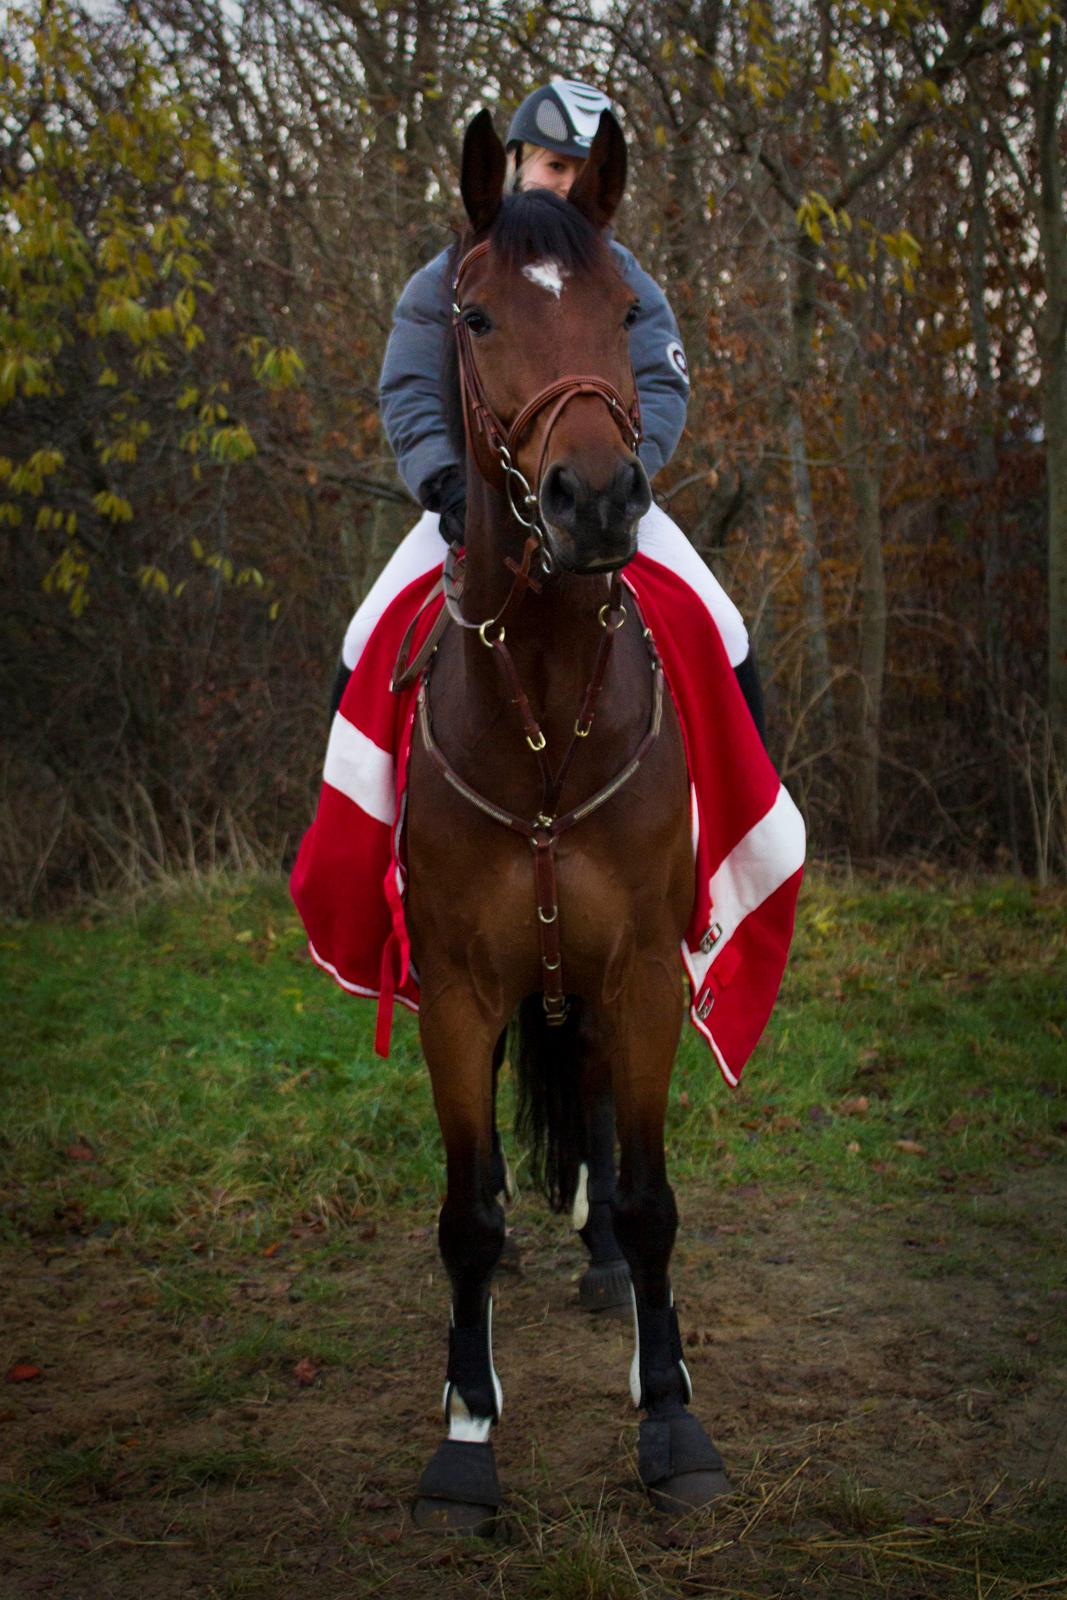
[(594, 529)]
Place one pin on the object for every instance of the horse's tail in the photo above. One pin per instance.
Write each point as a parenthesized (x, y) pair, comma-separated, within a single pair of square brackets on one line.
[(550, 1120)]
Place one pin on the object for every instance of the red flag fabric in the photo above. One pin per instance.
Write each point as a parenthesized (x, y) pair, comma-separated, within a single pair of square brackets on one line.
[(348, 882)]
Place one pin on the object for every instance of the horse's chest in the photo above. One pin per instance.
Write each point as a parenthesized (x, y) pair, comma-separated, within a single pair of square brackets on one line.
[(622, 875)]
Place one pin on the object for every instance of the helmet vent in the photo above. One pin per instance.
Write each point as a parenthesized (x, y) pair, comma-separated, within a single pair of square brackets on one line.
[(551, 121)]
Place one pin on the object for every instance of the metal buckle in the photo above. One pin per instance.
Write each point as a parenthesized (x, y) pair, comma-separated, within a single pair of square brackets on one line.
[(705, 1006), (536, 744), (711, 938)]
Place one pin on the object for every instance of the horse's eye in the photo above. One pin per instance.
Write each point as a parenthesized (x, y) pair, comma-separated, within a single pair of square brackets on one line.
[(632, 314), (477, 321)]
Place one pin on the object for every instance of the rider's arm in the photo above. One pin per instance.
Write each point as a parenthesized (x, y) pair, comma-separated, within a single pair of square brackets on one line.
[(659, 365), (410, 399)]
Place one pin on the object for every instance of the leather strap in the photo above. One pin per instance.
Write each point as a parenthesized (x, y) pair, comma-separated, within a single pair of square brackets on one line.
[(405, 672), (545, 829)]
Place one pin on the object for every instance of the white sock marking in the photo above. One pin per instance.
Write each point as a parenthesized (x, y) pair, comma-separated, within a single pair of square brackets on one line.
[(635, 1364), (461, 1424), (580, 1209)]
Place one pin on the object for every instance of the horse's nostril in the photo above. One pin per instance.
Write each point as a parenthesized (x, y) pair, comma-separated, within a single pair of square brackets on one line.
[(632, 488), (559, 496)]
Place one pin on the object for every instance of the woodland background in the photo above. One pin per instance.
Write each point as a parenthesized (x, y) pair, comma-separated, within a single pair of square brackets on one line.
[(208, 212)]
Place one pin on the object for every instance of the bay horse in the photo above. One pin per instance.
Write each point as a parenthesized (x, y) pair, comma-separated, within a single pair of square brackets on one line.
[(548, 833)]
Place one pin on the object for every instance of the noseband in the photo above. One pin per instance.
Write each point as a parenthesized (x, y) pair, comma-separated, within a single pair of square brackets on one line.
[(495, 445)]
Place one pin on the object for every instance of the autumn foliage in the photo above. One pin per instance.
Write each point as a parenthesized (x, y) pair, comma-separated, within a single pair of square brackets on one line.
[(208, 214)]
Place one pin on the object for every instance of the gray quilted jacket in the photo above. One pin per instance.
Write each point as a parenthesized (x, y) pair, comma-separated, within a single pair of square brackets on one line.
[(410, 397)]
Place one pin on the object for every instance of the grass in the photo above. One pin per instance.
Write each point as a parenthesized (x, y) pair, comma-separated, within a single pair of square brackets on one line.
[(205, 1171), (182, 1066)]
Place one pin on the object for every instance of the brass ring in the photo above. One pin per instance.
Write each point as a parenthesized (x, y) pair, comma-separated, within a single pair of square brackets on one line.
[(489, 643), (606, 609)]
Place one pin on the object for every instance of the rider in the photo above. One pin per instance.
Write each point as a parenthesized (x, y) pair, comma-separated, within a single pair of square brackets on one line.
[(547, 142)]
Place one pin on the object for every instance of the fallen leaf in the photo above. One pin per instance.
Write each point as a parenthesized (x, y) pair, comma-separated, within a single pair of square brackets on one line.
[(22, 1372), (785, 1124), (272, 1249), (369, 1232), (305, 1371), (957, 1122), (852, 1147), (857, 1105), (683, 1100), (244, 937), (82, 1150), (911, 1147)]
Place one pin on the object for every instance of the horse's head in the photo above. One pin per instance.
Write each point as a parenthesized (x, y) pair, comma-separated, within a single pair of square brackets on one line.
[(543, 322)]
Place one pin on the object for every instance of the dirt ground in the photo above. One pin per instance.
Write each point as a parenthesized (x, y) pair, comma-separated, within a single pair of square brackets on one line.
[(860, 1372)]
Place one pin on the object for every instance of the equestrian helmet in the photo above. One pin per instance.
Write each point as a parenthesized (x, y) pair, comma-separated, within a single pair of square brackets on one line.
[(562, 116)]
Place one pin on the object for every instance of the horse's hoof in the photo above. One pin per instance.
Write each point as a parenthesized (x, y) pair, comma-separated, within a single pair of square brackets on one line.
[(459, 1491), (605, 1287), (689, 1491), (453, 1516), (678, 1464)]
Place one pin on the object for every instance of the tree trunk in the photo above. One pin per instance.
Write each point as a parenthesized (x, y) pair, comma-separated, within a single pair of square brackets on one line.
[(800, 308), (1047, 88), (864, 734), (987, 508)]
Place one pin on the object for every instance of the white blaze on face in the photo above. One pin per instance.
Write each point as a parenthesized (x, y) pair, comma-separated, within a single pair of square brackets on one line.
[(547, 275)]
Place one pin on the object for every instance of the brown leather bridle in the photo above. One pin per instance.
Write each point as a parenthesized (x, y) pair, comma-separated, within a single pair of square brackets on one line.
[(493, 446)]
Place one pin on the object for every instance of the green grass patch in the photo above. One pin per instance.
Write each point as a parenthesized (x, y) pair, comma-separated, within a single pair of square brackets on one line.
[(183, 1066)]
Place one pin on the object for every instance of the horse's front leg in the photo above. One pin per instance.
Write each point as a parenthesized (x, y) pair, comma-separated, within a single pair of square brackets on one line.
[(459, 1492), (677, 1462)]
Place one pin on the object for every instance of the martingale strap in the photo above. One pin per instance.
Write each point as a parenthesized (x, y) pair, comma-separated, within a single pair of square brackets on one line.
[(543, 831)]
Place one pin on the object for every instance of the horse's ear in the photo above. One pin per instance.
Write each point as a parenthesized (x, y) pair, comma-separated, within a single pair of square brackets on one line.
[(482, 176), (599, 186)]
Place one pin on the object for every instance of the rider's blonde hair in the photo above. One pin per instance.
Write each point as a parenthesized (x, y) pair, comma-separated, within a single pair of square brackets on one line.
[(517, 169)]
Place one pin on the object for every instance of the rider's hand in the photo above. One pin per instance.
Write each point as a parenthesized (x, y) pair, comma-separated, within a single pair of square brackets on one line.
[(447, 493)]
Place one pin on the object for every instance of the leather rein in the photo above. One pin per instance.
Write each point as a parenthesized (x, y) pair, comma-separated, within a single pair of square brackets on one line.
[(494, 446)]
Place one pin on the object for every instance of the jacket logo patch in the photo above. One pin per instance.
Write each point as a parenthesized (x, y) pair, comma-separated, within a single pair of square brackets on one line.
[(676, 357)]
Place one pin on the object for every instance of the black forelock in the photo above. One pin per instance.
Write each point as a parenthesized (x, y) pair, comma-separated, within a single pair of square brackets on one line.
[(536, 223)]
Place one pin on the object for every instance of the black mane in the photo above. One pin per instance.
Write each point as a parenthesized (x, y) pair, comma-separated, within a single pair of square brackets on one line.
[(529, 226), (536, 223)]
